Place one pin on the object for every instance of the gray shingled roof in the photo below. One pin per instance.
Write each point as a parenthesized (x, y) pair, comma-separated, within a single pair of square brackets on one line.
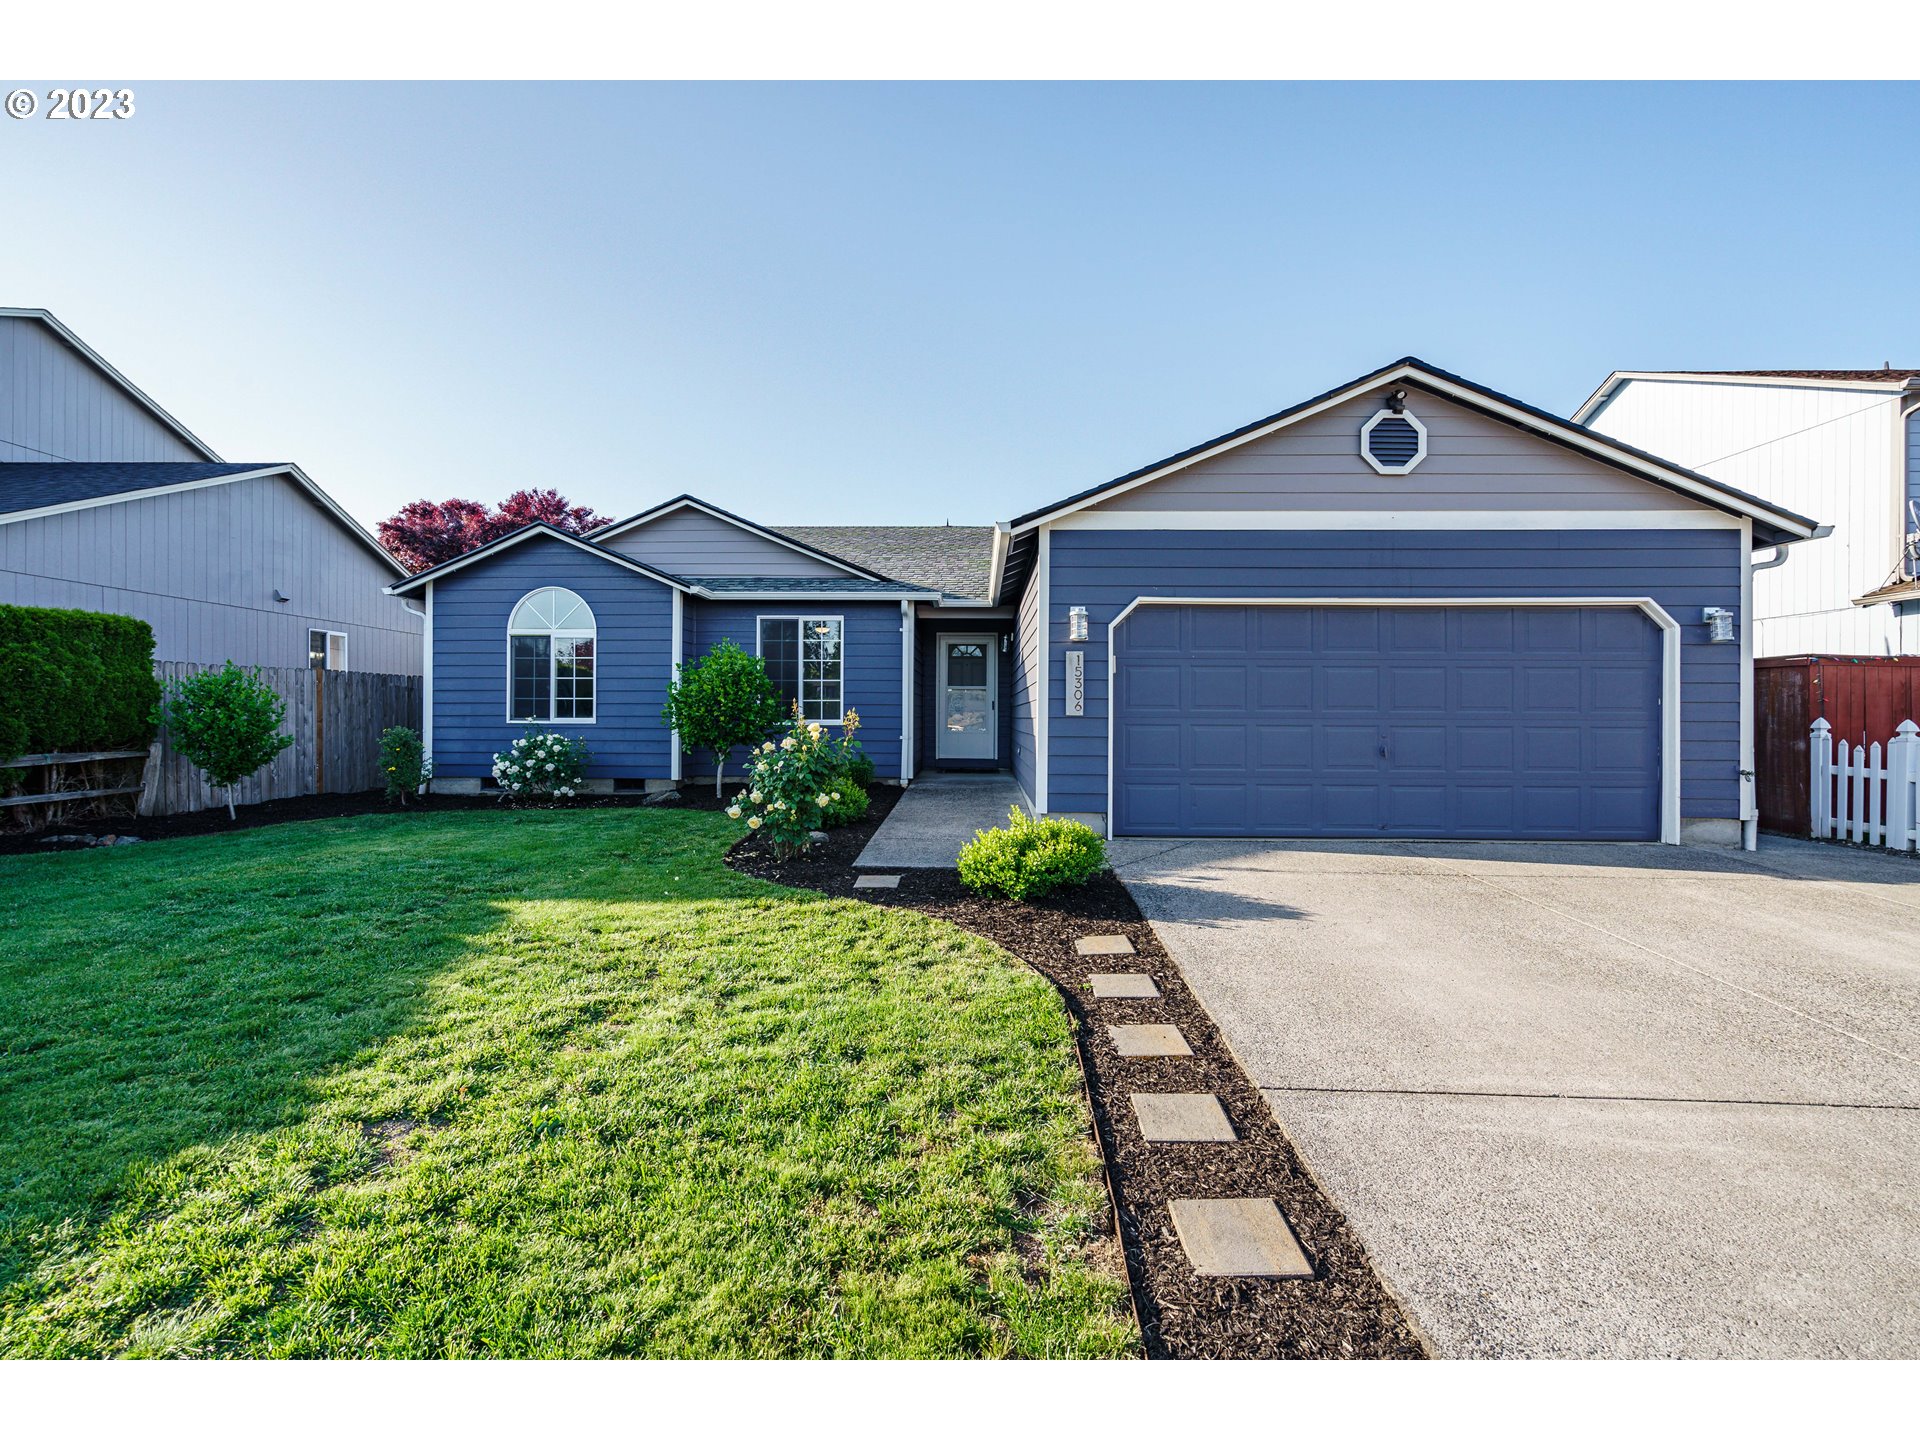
[(954, 559), (1891, 376), (32, 485)]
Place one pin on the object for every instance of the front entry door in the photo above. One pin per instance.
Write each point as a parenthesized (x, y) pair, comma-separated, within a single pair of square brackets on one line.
[(969, 705)]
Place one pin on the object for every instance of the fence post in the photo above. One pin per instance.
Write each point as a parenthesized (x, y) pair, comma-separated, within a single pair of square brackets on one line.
[(1903, 767), (1821, 793)]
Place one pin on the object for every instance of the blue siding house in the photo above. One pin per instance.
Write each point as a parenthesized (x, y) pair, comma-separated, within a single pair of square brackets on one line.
[(1410, 607)]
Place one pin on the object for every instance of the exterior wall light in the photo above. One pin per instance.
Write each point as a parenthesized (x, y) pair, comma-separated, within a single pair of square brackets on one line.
[(1077, 623), (1719, 625)]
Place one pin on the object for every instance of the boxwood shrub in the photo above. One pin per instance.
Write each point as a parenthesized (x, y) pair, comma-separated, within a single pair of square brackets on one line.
[(73, 680), (1031, 858)]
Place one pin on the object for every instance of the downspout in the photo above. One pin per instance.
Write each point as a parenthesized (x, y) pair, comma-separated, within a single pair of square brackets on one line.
[(1749, 795)]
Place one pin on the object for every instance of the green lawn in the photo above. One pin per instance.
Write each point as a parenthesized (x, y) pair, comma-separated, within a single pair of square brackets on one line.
[(524, 1084)]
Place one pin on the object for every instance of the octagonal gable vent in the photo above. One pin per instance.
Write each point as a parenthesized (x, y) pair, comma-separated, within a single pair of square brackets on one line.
[(1393, 442)]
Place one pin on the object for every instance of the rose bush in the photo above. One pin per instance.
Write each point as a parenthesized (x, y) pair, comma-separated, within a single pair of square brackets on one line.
[(541, 763), (792, 784)]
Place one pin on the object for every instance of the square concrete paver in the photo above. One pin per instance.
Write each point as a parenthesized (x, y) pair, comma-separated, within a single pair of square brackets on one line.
[(1238, 1237), (877, 882), (1182, 1118), (1103, 945), (1144, 1040), (1123, 987)]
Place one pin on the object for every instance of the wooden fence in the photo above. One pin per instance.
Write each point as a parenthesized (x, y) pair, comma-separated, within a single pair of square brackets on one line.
[(1860, 795), (335, 718)]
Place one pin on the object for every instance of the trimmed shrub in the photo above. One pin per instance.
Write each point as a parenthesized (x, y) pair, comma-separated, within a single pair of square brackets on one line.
[(541, 763), (722, 701), (1031, 858), (791, 785), (73, 680), (404, 762), (225, 721), (849, 803)]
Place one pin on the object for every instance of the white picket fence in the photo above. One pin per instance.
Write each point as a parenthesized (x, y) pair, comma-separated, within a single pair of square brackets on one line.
[(1860, 795)]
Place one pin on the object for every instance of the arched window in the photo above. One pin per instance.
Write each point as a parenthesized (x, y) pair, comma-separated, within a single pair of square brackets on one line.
[(550, 658)]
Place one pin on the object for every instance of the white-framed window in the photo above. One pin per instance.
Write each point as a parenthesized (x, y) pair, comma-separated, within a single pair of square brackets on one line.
[(326, 650), (805, 661), (550, 658)]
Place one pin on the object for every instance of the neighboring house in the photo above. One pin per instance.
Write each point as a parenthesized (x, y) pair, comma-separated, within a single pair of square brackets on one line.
[(1409, 607), (109, 503), (1840, 444)]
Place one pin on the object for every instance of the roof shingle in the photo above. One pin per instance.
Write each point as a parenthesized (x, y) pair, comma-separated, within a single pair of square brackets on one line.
[(32, 485), (953, 559)]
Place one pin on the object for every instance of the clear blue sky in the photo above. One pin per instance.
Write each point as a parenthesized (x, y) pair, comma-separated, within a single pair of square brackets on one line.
[(920, 303)]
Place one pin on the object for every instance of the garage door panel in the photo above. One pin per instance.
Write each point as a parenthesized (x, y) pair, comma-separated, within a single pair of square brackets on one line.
[(1217, 687), (1484, 722), (1350, 687), (1150, 687), (1218, 747)]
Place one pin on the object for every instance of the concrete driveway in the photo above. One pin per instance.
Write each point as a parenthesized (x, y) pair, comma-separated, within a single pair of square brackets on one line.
[(1585, 1100)]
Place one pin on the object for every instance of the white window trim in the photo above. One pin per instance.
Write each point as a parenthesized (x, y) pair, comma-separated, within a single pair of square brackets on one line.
[(332, 635), (553, 675), (841, 621), (1420, 447), (1654, 611)]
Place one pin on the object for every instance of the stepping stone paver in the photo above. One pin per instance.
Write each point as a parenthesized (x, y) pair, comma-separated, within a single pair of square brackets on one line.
[(1123, 987), (877, 882), (1103, 945), (1182, 1118), (1238, 1237), (1143, 1040)]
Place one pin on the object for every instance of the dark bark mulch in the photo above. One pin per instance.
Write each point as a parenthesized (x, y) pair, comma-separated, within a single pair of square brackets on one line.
[(308, 807), (1344, 1312)]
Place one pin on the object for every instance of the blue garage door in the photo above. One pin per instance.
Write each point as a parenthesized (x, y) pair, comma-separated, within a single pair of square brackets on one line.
[(1474, 723)]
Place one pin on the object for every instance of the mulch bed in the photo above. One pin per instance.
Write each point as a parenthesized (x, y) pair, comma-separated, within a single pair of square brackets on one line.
[(1344, 1312)]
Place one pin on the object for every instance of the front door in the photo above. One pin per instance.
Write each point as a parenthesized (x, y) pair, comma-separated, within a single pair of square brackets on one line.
[(969, 704)]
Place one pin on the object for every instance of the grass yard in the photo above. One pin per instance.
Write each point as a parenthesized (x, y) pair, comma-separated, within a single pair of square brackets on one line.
[(531, 1083)]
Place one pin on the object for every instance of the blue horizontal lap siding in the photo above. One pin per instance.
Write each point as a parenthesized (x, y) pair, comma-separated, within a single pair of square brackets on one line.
[(1683, 570), (872, 670), (633, 655)]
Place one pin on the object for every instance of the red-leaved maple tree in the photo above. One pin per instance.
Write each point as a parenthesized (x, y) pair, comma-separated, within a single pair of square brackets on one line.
[(425, 533)]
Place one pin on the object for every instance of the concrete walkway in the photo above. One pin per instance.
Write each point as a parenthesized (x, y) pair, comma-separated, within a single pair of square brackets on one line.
[(1585, 1100), (936, 817)]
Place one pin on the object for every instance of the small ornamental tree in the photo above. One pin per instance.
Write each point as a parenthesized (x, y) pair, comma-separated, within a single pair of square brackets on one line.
[(226, 722), (722, 701), (404, 762)]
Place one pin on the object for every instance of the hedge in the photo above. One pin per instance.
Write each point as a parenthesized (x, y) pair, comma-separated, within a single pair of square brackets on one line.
[(73, 680)]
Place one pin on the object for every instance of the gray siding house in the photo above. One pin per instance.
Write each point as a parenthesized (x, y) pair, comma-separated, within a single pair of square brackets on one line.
[(109, 503), (1411, 607)]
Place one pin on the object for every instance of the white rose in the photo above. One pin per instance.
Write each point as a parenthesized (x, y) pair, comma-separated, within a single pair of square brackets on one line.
[(549, 765), (821, 801), (755, 797), (836, 794), (753, 822), (787, 744), (733, 812)]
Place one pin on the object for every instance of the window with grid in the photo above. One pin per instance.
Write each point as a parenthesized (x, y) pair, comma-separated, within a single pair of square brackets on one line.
[(550, 658), (803, 656)]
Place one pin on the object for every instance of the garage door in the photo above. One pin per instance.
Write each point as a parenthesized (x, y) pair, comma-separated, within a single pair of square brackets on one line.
[(1466, 722)]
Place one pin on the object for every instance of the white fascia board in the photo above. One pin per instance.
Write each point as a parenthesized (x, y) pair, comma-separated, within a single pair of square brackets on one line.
[(1400, 520), (99, 362), (1681, 377), (1567, 434), (292, 472), (532, 532), (688, 502), (997, 566)]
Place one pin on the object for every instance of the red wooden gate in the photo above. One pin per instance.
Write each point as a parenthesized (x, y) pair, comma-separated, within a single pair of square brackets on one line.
[(1863, 697)]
